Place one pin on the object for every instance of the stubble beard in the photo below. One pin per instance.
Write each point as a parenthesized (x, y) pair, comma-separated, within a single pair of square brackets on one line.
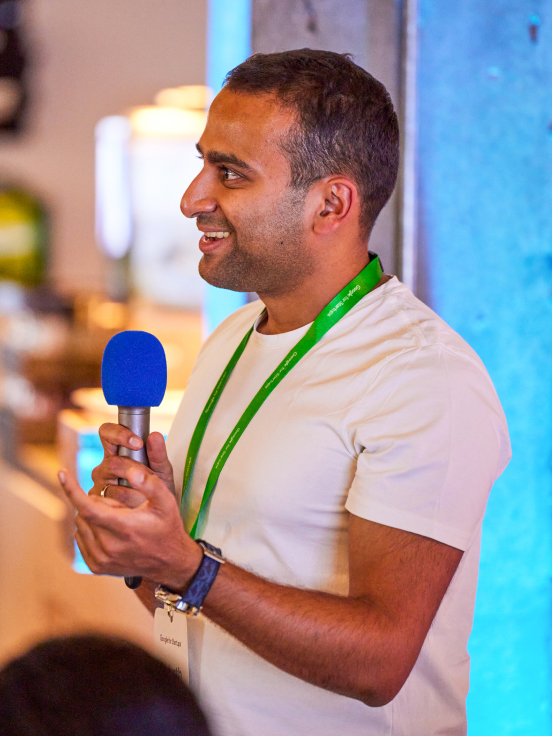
[(269, 257)]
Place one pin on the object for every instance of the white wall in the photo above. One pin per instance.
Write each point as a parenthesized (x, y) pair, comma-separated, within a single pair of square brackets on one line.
[(93, 59)]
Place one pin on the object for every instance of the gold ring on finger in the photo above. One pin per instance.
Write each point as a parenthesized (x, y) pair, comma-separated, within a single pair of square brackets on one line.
[(102, 494)]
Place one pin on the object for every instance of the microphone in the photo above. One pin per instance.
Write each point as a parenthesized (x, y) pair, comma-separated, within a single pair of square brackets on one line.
[(134, 378)]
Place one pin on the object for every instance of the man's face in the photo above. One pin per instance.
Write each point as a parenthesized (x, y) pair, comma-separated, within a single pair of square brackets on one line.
[(253, 220)]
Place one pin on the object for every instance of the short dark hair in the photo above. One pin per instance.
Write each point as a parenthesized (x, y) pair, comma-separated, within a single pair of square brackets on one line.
[(95, 686), (346, 123)]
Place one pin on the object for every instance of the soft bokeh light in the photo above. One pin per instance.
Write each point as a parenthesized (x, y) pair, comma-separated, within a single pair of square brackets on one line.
[(187, 97), (156, 121)]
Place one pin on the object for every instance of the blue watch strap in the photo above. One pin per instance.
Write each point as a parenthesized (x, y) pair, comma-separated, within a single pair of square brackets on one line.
[(198, 587)]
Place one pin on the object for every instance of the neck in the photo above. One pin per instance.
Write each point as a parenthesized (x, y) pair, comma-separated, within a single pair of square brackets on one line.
[(299, 307)]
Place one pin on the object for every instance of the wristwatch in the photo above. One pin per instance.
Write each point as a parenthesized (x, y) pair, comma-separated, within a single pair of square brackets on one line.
[(190, 601)]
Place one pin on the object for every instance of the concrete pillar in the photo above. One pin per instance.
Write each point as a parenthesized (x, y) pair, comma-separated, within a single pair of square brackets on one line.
[(369, 30)]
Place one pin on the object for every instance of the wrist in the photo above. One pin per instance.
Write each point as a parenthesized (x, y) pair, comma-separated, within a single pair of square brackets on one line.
[(178, 579), (191, 599)]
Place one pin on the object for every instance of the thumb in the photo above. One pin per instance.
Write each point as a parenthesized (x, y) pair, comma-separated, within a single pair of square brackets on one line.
[(159, 461), (158, 495)]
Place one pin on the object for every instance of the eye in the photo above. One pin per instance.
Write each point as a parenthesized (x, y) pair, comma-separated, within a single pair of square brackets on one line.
[(229, 175)]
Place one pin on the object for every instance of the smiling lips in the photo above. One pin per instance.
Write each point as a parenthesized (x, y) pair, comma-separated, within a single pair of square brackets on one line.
[(211, 241), (211, 237)]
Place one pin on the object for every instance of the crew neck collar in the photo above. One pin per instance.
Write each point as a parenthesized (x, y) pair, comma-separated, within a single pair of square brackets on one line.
[(279, 340), (289, 338)]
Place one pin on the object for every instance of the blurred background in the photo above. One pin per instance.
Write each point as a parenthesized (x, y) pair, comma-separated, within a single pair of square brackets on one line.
[(100, 107)]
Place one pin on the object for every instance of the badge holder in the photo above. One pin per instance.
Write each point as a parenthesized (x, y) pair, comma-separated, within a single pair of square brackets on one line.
[(170, 632)]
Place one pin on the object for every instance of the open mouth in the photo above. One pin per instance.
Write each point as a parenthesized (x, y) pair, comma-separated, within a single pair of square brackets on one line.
[(212, 237)]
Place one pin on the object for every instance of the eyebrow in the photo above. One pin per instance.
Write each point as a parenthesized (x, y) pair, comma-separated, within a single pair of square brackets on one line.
[(219, 157)]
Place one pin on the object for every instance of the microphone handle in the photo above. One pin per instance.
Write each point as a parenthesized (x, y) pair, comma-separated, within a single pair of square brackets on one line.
[(137, 419)]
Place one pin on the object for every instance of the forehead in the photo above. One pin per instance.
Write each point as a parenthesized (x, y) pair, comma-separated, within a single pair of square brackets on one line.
[(248, 126)]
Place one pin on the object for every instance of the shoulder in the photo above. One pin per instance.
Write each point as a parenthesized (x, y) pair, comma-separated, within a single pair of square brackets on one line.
[(393, 318), (418, 361)]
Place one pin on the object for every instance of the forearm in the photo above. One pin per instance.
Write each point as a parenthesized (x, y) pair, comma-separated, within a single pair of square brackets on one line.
[(363, 646), (340, 644)]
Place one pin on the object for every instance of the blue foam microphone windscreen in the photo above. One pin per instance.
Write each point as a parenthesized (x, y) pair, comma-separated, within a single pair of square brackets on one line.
[(134, 370)]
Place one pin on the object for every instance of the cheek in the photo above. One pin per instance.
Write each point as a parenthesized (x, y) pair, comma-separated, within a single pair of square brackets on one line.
[(266, 213), (260, 225), (255, 217)]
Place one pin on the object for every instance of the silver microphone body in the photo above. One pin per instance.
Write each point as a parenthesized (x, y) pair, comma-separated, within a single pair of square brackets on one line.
[(137, 419)]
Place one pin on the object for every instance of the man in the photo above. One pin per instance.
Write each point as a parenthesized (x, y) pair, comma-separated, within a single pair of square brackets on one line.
[(350, 507)]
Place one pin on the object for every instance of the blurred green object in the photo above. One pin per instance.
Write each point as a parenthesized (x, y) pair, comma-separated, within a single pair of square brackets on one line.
[(23, 237)]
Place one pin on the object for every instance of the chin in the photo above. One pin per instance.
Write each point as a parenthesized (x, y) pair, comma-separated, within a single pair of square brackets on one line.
[(221, 278)]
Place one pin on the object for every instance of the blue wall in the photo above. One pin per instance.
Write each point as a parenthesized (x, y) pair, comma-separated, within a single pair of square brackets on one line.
[(485, 157), (228, 44)]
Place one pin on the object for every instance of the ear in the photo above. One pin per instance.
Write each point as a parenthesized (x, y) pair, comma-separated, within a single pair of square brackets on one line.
[(337, 199)]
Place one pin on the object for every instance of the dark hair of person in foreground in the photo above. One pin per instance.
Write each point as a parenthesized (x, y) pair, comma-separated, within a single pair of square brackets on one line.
[(344, 120), (95, 686)]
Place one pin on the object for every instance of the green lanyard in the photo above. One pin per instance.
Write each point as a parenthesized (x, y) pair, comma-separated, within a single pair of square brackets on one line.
[(328, 317)]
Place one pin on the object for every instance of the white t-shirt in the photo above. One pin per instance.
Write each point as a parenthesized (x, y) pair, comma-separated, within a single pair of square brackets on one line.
[(391, 417)]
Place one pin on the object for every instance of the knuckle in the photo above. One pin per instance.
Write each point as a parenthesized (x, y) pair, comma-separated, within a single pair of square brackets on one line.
[(87, 514), (93, 566), (102, 557), (107, 466), (113, 463), (104, 434), (109, 550), (119, 463), (107, 428), (111, 435)]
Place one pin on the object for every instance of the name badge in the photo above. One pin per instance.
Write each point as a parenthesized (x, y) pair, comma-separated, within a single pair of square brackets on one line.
[(170, 631)]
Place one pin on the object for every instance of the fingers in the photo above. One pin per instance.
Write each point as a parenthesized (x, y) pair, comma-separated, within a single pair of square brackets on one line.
[(85, 552), (127, 496), (159, 497), (90, 544), (106, 513), (103, 525), (86, 540), (113, 436), (99, 560), (73, 491), (158, 459), (149, 540), (109, 471), (115, 466)]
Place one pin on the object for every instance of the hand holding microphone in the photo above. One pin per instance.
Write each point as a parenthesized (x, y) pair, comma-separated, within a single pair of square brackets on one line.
[(136, 527), (134, 378)]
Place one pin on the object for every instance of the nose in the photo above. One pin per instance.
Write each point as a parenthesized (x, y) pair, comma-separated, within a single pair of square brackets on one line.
[(196, 200)]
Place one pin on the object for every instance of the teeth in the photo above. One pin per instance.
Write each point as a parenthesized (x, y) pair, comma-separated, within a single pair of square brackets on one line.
[(219, 235)]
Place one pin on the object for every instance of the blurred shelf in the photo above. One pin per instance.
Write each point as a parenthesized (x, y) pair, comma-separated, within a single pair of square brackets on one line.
[(41, 462)]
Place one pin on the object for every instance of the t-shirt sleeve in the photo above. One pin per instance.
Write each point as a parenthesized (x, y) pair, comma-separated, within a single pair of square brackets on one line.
[(432, 439)]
